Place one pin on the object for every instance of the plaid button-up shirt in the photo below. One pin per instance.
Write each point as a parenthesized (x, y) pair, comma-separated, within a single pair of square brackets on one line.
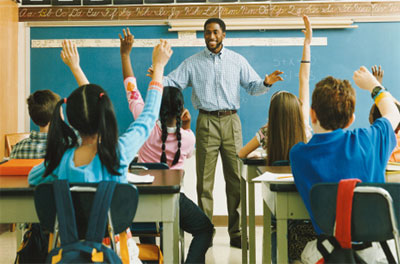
[(33, 147)]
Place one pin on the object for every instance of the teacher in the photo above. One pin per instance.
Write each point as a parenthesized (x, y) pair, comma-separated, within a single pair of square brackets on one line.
[(216, 74)]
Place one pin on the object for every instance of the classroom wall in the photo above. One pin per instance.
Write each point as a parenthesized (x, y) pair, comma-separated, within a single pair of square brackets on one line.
[(347, 49), (8, 70)]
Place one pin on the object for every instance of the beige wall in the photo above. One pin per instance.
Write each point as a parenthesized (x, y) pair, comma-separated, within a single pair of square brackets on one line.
[(8, 70)]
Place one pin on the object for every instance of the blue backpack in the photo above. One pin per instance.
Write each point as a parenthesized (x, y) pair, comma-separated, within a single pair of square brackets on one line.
[(90, 250)]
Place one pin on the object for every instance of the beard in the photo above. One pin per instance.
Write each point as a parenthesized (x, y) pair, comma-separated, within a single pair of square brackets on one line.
[(215, 48)]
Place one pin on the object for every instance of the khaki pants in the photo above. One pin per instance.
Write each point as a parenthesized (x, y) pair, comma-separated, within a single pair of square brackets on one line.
[(219, 135)]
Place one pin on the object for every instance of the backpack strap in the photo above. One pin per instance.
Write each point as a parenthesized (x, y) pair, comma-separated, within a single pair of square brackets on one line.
[(344, 204), (98, 214), (65, 212), (388, 252)]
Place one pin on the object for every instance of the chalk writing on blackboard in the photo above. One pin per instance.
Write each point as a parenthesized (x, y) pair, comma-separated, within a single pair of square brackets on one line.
[(203, 11)]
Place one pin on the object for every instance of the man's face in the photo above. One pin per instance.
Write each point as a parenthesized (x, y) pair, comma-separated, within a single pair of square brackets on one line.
[(214, 36)]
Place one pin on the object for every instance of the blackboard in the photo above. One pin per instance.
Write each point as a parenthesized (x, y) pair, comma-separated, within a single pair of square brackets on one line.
[(347, 49)]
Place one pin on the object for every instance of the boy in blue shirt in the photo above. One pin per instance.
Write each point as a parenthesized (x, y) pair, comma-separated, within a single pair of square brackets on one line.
[(332, 153)]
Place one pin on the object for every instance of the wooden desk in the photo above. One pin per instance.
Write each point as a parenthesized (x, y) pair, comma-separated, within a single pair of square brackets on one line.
[(249, 172), (158, 201)]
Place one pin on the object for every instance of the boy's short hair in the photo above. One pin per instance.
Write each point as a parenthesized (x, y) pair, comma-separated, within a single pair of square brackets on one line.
[(41, 106), (218, 21), (333, 101)]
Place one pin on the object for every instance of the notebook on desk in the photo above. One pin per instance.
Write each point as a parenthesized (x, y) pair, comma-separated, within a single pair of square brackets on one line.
[(18, 166), (275, 177)]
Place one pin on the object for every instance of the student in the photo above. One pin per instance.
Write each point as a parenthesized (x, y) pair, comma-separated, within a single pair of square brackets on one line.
[(375, 114), (359, 153), (41, 106), (169, 143), (288, 121), (102, 155)]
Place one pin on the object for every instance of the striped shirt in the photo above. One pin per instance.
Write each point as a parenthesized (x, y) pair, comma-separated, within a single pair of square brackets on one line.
[(216, 79), (33, 147)]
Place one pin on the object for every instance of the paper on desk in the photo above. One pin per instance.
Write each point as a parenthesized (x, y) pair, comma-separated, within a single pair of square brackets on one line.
[(274, 177), (134, 178), (393, 166)]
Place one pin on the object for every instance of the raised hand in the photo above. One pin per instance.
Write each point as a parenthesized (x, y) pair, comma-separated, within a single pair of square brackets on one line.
[(150, 71), (377, 72), (273, 77), (364, 79), (307, 31), (126, 42), (161, 53), (69, 54), (186, 118)]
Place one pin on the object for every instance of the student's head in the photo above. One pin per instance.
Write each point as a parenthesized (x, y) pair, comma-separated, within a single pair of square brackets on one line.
[(214, 34), (333, 103), (374, 114), (41, 106), (285, 126), (171, 109), (89, 111)]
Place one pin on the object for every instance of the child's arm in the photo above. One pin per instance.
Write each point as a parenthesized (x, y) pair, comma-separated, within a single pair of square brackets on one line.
[(186, 119), (385, 103), (304, 73), (138, 131), (70, 56), (252, 145), (133, 95)]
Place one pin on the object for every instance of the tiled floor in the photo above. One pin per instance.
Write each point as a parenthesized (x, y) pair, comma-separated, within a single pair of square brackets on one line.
[(220, 253)]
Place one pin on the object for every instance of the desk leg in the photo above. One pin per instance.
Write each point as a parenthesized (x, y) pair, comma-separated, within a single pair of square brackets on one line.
[(252, 224), (281, 239), (266, 247), (171, 238), (243, 204)]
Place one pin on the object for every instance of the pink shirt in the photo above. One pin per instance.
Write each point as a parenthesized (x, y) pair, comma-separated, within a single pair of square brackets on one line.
[(151, 149)]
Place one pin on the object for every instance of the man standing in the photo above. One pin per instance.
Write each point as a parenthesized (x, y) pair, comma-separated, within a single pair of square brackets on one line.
[(216, 74)]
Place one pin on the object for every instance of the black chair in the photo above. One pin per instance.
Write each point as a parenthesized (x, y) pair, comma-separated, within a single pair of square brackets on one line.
[(375, 213), (120, 215)]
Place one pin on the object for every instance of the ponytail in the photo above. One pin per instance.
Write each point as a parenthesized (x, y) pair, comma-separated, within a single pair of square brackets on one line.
[(59, 138), (107, 140), (164, 135), (178, 135)]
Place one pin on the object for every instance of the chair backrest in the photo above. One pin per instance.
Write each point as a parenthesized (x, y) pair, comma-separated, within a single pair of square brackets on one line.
[(123, 205), (375, 216), (12, 139), (149, 166)]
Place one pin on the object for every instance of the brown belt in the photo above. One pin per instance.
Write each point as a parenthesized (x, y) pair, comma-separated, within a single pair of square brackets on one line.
[(218, 113)]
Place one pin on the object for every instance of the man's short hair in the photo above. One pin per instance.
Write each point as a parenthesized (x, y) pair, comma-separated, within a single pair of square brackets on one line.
[(41, 106), (333, 101), (219, 21)]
